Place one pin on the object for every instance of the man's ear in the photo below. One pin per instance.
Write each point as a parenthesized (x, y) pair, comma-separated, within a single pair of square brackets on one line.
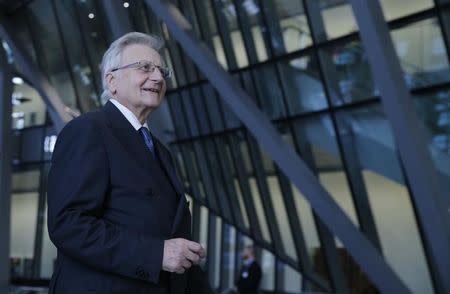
[(111, 81)]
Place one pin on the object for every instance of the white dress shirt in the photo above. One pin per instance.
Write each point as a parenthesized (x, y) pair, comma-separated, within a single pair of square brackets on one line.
[(129, 115)]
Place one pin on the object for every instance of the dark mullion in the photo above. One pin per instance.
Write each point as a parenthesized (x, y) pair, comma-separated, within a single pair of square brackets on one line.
[(97, 85), (352, 173), (264, 193), (80, 105), (294, 222), (245, 28), (331, 254), (39, 235), (227, 177), (358, 188), (207, 179), (224, 33), (196, 193), (201, 15), (211, 260), (245, 188), (214, 168), (332, 257), (269, 19), (445, 30)]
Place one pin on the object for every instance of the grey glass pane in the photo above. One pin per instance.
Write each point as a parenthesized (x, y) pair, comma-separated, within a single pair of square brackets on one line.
[(434, 111), (82, 73), (302, 85), (50, 52), (28, 107), (228, 256), (178, 113), (396, 9), (190, 113), (422, 53), (269, 91), (93, 32), (294, 25), (389, 198), (347, 73)]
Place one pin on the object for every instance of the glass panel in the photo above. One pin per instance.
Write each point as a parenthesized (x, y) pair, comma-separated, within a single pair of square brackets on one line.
[(24, 212), (268, 271), (269, 91), (292, 280), (256, 197), (48, 257), (397, 9), (347, 73), (95, 37), (28, 108), (302, 85), (317, 145), (434, 111), (338, 19), (294, 25), (422, 53), (389, 198), (228, 256), (81, 71), (50, 51)]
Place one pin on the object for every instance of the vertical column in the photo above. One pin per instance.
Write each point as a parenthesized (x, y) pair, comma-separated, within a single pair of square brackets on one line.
[(5, 169)]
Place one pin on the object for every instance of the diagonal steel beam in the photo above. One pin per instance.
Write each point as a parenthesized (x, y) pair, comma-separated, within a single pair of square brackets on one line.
[(362, 250), (433, 210), (59, 113)]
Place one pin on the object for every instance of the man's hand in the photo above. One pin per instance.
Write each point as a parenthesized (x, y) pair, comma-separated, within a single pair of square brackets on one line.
[(180, 254)]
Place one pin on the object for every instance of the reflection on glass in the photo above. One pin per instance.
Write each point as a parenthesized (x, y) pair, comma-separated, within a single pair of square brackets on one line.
[(302, 85), (228, 256), (434, 111), (51, 54), (24, 212), (397, 9), (338, 18), (347, 73), (422, 53), (389, 198), (49, 251), (294, 25), (28, 107), (268, 271), (292, 280)]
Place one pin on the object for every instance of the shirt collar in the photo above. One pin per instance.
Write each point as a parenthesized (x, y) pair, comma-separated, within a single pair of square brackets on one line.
[(129, 115)]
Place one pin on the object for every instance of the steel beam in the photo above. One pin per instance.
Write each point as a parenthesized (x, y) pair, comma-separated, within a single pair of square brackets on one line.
[(431, 207), (365, 254), (58, 112), (5, 168)]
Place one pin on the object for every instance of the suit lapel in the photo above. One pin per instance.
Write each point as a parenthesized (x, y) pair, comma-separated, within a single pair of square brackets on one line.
[(164, 157), (128, 136)]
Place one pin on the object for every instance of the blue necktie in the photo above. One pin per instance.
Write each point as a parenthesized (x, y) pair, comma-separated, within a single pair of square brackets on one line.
[(145, 133)]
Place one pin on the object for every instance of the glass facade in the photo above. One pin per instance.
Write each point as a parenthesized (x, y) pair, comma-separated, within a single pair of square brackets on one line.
[(305, 67)]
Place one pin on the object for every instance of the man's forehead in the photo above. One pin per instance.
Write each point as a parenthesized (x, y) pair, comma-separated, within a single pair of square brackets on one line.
[(138, 52)]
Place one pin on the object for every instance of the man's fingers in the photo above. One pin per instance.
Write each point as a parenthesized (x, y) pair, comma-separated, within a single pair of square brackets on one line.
[(192, 256), (197, 248)]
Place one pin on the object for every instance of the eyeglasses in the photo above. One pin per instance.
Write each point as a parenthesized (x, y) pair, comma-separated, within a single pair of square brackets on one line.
[(147, 67)]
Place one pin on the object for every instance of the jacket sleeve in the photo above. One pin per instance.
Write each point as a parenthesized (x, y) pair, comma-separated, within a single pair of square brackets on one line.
[(78, 184)]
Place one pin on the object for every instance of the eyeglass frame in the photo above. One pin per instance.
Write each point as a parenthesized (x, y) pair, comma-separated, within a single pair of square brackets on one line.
[(140, 64)]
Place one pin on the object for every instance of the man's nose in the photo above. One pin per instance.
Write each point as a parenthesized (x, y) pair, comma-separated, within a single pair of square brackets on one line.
[(156, 75)]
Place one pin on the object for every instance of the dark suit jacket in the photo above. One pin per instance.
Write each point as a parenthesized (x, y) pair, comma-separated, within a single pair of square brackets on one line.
[(111, 205), (249, 278)]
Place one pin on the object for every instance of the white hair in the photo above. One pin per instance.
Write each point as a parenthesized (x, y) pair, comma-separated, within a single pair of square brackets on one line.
[(112, 57)]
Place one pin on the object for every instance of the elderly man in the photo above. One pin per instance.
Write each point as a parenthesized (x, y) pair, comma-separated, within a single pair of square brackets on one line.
[(116, 210)]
